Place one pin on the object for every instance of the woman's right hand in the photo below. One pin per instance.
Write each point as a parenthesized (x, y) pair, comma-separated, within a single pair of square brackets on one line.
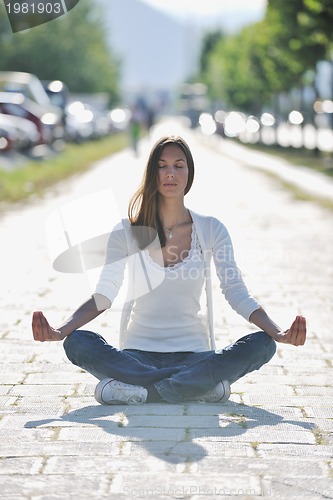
[(42, 331)]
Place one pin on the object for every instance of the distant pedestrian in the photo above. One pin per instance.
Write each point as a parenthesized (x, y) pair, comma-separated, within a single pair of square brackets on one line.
[(135, 125), (167, 351), (150, 118)]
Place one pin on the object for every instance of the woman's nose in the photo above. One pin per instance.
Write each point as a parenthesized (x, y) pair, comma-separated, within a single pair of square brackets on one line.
[(170, 172)]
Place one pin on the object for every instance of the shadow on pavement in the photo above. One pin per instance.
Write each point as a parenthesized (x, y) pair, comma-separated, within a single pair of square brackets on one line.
[(223, 422)]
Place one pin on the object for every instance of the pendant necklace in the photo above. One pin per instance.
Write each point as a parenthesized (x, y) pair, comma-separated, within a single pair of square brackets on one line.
[(174, 227)]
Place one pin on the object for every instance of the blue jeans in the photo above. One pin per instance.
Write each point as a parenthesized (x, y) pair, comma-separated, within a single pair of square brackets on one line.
[(177, 376)]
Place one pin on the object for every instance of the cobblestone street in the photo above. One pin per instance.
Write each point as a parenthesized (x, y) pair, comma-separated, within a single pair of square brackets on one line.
[(274, 437)]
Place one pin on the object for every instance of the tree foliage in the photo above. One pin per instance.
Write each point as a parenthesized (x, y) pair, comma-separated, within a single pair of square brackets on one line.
[(209, 42), (230, 75), (72, 48), (297, 37), (247, 69)]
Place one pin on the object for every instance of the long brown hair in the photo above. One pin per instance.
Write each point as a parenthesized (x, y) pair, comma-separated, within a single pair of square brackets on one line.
[(143, 207)]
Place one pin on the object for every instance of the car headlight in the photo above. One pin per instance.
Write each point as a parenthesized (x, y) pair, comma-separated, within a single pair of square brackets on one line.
[(49, 119)]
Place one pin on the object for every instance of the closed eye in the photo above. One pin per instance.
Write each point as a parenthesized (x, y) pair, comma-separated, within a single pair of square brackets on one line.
[(178, 165)]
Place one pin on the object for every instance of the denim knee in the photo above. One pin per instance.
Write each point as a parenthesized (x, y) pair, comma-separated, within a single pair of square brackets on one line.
[(78, 345), (71, 342), (267, 344)]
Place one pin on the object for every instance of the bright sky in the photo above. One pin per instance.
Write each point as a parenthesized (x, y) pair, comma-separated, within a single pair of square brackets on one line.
[(206, 7)]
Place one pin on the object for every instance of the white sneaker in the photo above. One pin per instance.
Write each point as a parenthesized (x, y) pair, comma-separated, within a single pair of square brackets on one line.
[(113, 392), (220, 394)]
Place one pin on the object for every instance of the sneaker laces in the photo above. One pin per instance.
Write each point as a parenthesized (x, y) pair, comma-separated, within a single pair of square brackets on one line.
[(131, 398)]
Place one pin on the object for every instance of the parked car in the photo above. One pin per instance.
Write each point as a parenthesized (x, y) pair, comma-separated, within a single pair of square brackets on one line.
[(58, 94), (24, 83), (46, 122), (7, 140), (79, 122), (17, 133), (85, 122), (33, 102)]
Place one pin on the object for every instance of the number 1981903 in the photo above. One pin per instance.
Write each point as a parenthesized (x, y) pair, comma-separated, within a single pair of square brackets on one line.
[(34, 8)]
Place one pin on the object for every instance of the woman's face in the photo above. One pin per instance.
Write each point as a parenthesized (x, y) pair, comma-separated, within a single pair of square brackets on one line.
[(172, 173)]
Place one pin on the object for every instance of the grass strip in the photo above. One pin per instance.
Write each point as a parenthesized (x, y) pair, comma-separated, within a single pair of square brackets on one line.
[(33, 177), (299, 193), (316, 160)]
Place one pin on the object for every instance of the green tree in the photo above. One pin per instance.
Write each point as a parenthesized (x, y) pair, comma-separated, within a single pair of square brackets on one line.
[(293, 37), (230, 75), (209, 42), (72, 48), (248, 69)]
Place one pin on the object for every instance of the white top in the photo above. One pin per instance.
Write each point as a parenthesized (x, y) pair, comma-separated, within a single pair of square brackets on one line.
[(168, 318), (162, 312)]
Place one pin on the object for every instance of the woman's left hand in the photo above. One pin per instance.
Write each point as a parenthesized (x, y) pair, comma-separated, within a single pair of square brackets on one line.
[(296, 334)]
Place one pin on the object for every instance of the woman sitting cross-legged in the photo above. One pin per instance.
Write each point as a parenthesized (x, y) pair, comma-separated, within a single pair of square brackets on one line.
[(167, 351)]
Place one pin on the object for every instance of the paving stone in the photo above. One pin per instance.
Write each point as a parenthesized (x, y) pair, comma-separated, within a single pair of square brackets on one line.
[(21, 465), (33, 485), (271, 399), (41, 390), (260, 434), (115, 433), (5, 389), (59, 378), (185, 486), (46, 406), (315, 391), (157, 409), (14, 353), (315, 411), (194, 451), (268, 414), (38, 421), (278, 450), (48, 448), (8, 378), (39, 367), (261, 388), (316, 379), (163, 422), (294, 468), (106, 464), (17, 435), (6, 402), (307, 366), (324, 424), (293, 487)]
